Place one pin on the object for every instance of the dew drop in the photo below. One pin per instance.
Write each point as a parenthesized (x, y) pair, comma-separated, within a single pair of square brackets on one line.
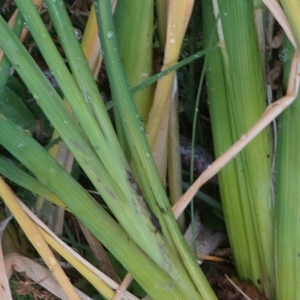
[(110, 34), (172, 41), (52, 261), (78, 33), (243, 137)]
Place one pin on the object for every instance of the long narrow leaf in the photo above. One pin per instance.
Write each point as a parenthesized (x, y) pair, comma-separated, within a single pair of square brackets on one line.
[(139, 148), (147, 273), (287, 196)]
